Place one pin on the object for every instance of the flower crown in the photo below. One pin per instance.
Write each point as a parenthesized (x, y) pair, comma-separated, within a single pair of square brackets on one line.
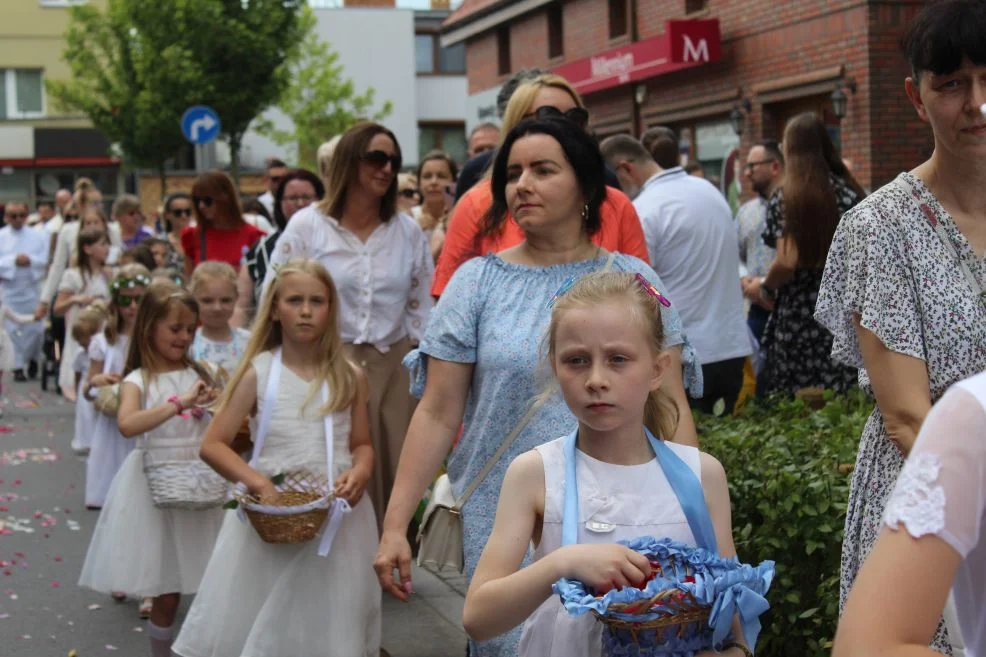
[(122, 283)]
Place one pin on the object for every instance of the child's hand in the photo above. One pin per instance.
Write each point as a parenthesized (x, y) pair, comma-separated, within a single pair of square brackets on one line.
[(351, 484), (261, 487), (604, 567), (197, 395), (108, 379)]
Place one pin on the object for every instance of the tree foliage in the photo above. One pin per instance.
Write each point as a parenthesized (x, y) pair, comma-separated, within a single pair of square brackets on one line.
[(138, 65), (320, 101), (130, 87)]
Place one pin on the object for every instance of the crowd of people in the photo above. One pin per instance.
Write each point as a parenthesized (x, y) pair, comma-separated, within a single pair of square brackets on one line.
[(554, 307)]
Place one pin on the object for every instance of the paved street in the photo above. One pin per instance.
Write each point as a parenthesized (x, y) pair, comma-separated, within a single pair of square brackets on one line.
[(44, 533)]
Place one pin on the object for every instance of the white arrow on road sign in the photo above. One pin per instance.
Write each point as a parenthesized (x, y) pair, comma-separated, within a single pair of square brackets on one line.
[(206, 123)]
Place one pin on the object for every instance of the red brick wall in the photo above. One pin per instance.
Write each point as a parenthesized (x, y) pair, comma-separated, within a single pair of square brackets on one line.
[(763, 40)]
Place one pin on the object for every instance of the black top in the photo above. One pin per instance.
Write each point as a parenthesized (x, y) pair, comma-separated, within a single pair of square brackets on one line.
[(474, 170)]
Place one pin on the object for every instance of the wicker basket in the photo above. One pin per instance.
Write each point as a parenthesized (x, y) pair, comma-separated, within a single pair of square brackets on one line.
[(295, 515), (107, 400)]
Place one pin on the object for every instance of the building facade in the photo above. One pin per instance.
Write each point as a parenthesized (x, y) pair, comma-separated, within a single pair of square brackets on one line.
[(397, 53), (723, 73), (43, 149)]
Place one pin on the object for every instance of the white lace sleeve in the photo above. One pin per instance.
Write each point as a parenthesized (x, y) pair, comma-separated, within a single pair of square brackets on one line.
[(942, 487)]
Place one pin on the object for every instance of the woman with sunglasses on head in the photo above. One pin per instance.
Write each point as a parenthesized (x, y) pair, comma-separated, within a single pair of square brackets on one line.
[(544, 97), (296, 190), (478, 364), (220, 232), (380, 261), (437, 172)]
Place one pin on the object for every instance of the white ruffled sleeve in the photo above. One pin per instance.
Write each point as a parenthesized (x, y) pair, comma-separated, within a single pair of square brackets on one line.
[(942, 487)]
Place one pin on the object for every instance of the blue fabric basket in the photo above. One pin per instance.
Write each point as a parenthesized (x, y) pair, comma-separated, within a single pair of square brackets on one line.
[(688, 606)]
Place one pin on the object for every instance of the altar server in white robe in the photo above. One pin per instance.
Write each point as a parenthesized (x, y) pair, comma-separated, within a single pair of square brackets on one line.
[(23, 260)]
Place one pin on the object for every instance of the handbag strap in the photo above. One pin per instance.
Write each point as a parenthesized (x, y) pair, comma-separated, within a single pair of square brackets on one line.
[(339, 505), (686, 486), (508, 441), (936, 225)]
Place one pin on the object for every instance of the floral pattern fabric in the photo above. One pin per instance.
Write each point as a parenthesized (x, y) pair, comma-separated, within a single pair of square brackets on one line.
[(796, 347), (888, 266)]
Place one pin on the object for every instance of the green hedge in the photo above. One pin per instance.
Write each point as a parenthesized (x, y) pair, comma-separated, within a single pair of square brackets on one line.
[(789, 473)]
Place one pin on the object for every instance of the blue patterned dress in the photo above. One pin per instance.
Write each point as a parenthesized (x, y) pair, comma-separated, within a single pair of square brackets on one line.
[(493, 314)]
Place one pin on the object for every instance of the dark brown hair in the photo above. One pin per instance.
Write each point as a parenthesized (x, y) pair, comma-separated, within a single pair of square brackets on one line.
[(344, 170), (220, 187), (811, 209)]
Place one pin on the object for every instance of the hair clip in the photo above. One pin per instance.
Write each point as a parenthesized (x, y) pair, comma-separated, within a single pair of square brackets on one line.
[(651, 290), (565, 287)]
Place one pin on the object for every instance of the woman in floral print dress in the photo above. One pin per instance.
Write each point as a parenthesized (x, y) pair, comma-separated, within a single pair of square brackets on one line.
[(894, 293)]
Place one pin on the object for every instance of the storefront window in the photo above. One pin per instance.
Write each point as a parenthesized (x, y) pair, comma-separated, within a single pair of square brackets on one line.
[(713, 143)]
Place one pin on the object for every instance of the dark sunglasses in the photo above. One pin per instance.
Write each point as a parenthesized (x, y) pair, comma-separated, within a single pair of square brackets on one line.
[(72, 217), (276, 179), (124, 301), (577, 115), (207, 201), (182, 212), (379, 159), (409, 193), (18, 215)]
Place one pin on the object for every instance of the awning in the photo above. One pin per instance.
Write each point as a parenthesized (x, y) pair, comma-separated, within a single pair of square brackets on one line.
[(684, 44)]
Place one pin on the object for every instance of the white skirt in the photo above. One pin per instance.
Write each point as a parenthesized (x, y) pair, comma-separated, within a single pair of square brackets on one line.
[(6, 351), (66, 372), (145, 551), (263, 600), (108, 450), (85, 419)]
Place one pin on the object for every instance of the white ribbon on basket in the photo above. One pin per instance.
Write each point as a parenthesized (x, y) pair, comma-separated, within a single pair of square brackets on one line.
[(338, 507)]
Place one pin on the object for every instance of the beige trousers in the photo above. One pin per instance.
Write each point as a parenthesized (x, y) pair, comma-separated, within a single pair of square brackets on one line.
[(391, 406)]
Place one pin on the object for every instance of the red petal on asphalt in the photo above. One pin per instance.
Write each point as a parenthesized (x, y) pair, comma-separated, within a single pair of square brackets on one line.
[(58, 558), (17, 482), (55, 584), (7, 573), (19, 554)]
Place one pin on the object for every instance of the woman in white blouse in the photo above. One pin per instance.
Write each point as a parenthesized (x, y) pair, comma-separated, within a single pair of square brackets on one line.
[(381, 264), (932, 541)]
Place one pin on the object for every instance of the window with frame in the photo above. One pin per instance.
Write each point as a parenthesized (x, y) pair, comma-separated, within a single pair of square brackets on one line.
[(431, 58), (556, 34), (619, 18), (21, 93), (503, 51), (695, 6), (448, 137)]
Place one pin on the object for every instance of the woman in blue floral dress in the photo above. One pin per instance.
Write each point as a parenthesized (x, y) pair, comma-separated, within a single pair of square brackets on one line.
[(480, 357)]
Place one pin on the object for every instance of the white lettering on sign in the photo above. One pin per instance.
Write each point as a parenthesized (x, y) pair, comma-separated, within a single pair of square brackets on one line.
[(620, 65), (695, 53)]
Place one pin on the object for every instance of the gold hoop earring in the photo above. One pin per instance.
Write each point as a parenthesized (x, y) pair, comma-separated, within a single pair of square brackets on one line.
[(585, 212)]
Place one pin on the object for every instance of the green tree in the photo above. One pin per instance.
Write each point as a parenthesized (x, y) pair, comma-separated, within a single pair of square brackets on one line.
[(128, 83), (320, 101), (244, 48)]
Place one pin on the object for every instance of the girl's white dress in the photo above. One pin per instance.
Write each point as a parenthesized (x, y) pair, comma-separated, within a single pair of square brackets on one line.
[(621, 502), (94, 286), (85, 414), (136, 547), (108, 447), (263, 600)]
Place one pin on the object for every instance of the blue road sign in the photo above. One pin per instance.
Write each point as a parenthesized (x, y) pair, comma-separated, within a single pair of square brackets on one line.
[(200, 124)]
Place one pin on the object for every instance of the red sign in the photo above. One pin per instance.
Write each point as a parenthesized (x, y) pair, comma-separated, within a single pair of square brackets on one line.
[(684, 44)]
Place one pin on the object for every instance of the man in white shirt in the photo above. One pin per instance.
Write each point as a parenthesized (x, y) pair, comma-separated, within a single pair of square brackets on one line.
[(23, 258), (276, 170), (764, 168), (692, 244)]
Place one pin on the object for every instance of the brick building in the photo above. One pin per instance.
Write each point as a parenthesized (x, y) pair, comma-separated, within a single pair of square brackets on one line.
[(711, 69)]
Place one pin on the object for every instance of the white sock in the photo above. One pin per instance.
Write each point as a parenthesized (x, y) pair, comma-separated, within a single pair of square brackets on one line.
[(161, 639)]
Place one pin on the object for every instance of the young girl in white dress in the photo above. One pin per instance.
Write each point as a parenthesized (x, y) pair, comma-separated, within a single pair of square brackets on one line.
[(265, 600), (107, 357), (138, 548), (610, 372), (214, 287), (87, 281), (88, 323), (933, 534)]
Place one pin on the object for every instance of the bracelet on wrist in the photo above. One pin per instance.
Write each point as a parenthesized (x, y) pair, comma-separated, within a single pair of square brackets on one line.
[(734, 644), (179, 407)]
